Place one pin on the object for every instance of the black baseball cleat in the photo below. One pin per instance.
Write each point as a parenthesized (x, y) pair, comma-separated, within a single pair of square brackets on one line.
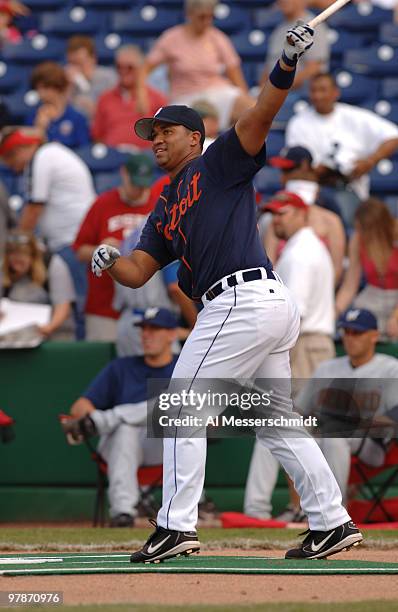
[(322, 544), (164, 544)]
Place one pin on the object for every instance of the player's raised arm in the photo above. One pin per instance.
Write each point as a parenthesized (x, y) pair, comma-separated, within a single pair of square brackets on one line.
[(132, 271), (253, 126)]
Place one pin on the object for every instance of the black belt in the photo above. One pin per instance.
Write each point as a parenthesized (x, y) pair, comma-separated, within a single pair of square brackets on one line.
[(232, 281)]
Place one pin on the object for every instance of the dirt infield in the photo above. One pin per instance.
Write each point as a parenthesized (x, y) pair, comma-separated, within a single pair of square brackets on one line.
[(209, 589)]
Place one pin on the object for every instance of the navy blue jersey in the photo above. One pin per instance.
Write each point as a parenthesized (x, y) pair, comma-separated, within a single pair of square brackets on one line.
[(207, 217), (124, 381)]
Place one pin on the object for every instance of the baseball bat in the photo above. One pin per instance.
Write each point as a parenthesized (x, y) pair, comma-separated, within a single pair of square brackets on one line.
[(330, 10)]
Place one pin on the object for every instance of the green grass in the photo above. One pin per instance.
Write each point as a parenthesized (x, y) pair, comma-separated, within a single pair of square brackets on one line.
[(359, 606), (51, 538)]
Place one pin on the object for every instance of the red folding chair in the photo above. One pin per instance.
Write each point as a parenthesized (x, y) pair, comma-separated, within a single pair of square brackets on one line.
[(363, 475)]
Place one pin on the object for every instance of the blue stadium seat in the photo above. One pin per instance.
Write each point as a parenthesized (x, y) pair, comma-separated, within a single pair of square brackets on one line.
[(37, 49), (389, 88), (377, 61), (251, 45), (101, 158), (109, 4), (355, 88), (231, 19), (106, 180), (107, 44), (389, 34), (362, 17), (385, 108), (384, 177), (145, 21), (288, 110), (275, 142), (392, 203), (267, 180), (76, 20), (20, 104), (267, 18), (46, 4), (12, 77), (341, 41)]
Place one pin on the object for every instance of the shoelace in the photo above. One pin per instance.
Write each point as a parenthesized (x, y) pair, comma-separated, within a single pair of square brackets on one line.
[(154, 524)]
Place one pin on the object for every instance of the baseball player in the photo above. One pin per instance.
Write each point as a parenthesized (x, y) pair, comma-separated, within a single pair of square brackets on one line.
[(207, 219)]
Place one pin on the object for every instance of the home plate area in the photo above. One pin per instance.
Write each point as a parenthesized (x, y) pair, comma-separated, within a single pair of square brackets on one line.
[(119, 563)]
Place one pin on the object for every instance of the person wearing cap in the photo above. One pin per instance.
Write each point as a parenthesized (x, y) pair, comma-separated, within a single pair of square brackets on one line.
[(303, 262), (346, 143), (206, 218), (118, 108), (298, 176), (373, 391), (112, 217), (9, 9), (115, 406), (211, 119)]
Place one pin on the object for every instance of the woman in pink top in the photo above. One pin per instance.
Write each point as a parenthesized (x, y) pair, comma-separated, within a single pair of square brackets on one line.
[(373, 253), (202, 64)]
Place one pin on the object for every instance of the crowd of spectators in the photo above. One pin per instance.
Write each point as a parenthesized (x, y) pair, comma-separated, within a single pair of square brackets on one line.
[(333, 244)]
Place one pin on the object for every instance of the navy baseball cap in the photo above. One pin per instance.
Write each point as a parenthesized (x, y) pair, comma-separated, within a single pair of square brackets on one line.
[(176, 115), (158, 317), (290, 158), (358, 319)]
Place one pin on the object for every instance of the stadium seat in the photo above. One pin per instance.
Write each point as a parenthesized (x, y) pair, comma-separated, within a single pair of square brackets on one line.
[(231, 19), (145, 21), (107, 44), (341, 41), (267, 18), (384, 177), (101, 158), (275, 142), (12, 77), (267, 180), (20, 104), (251, 3), (110, 4), (389, 88), (290, 107), (378, 61), (46, 4), (392, 203), (389, 34), (384, 108), (106, 180), (251, 45), (70, 21), (361, 17), (40, 48), (355, 88)]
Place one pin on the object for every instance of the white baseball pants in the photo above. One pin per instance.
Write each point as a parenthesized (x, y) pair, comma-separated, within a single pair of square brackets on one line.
[(246, 333)]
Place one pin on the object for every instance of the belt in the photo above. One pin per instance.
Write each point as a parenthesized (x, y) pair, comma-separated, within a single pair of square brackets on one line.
[(232, 281)]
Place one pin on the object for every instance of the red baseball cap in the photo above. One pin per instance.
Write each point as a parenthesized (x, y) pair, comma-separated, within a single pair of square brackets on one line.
[(282, 199), (19, 137), (5, 7)]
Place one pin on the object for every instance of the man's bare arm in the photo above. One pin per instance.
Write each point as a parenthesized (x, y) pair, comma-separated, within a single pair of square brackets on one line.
[(30, 216), (132, 271)]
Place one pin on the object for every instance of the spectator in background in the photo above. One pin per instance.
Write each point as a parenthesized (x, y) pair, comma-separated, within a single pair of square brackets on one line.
[(118, 108), (306, 268), (211, 120), (373, 254), (298, 176), (345, 141), (317, 58), (9, 34), (7, 220), (59, 191), (115, 406), (27, 278), (202, 64), (111, 218), (60, 121), (88, 80)]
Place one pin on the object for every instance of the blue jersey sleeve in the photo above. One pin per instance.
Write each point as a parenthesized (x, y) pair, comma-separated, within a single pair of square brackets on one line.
[(227, 161), (153, 242), (101, 391), (170, 273)]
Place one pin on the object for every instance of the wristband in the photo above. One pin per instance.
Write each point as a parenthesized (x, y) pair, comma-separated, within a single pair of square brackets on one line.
[(288, 61), (282, 79)]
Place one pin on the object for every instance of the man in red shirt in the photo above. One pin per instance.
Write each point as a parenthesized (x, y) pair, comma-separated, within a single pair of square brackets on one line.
[(111, 218), (116, 110)]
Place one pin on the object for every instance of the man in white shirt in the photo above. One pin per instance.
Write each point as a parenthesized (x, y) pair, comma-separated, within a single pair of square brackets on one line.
[(59, 191), (306, 268), (345, 141)]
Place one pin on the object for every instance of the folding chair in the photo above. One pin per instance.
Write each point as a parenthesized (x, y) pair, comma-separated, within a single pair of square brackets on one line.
[(362, 476), (149, 477)]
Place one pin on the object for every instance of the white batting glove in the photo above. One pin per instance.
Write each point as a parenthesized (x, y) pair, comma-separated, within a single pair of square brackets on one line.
[(103, 258), (298, 40)]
